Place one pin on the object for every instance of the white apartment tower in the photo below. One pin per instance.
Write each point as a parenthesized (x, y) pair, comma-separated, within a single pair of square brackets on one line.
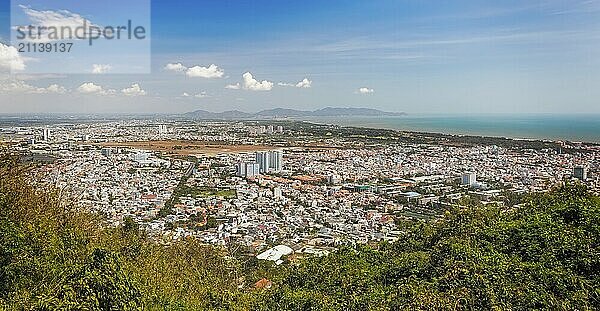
[(469, 179), (270, 161), (162, 129), (262, 158), (276, 161), (252, 169), (46, 134)]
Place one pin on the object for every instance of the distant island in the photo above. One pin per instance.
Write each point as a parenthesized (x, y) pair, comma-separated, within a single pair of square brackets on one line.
[(292, 113)]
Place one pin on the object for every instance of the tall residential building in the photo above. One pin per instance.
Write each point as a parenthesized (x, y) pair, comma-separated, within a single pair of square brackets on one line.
[(46, 134), (247, 169), (276, 161), (140, 156), (106, 152), (270, 161), (162, 129), (580, 172), (469, 179), (333, 179), (262, 158), (240, 169), (280, 129), (252, 169), (277, 193)]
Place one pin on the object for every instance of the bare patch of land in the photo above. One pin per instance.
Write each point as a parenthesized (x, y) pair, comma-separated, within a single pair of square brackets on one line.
[(185, 148)]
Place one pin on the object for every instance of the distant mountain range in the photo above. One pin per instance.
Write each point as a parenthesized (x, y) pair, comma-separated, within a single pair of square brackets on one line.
[(292, 113)]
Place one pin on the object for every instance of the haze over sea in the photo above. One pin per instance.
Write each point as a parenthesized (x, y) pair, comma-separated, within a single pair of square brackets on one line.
[(577, 128)]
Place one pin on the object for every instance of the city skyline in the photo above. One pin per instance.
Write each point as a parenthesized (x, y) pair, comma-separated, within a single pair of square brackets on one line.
[(400, 56)]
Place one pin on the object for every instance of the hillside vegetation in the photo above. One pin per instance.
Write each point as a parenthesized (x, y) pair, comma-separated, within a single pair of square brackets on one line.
[(543, 255)]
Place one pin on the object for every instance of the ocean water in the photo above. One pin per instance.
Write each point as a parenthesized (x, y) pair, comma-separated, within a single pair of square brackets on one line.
[(579, 128)]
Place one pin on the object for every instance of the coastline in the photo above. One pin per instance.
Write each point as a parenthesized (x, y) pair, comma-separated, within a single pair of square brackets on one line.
[(548, 128), (571, 128)]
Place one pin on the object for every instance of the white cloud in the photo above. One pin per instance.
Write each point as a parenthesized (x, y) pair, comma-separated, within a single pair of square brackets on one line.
[(233, 86), (365, 90), (10, 58), (19, 86), (55, 88), (254, 85), (100, 68), (212, 71), (177, 67), (46, 21), (133, 90), (15, 86), (91, 88), (305, 83)]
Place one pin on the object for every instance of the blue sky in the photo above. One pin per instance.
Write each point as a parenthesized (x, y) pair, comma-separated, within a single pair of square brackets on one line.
[(413, 56)]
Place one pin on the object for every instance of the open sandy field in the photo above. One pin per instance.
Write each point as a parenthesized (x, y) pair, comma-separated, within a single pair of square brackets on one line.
[(185, 148)]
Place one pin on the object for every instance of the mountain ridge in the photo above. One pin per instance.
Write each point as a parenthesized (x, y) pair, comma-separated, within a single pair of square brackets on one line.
[(287, 113)]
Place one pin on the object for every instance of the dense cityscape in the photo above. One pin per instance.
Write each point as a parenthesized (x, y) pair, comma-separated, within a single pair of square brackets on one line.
[(305, 187), (299, 155)]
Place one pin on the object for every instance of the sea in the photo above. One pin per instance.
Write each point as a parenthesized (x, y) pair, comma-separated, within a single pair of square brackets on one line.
[(575, 128)]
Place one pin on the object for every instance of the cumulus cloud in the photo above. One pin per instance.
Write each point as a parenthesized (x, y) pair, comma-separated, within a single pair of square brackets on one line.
[(254, 85), (15, 86), (55, 88), (133, 90), (89, 87), (10, 59), (100, 68), (233, 86), (177, 67), (19, 86), (92, 88), (305, 83), (210, 72), (365, 90)]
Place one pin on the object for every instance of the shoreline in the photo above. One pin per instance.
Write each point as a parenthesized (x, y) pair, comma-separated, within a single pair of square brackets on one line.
[(358, 122), (364, 127), (365, 122)]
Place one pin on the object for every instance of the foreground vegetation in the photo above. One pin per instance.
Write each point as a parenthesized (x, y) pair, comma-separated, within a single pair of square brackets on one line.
[(543, 255)]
